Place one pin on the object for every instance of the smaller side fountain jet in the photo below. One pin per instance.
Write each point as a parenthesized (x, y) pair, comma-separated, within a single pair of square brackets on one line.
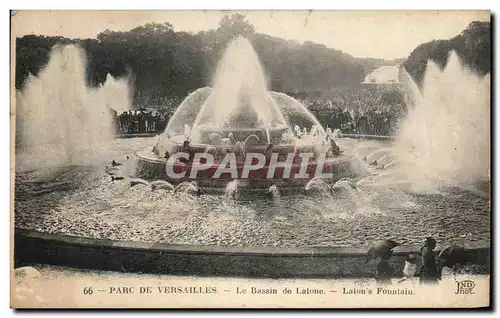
[(274, 191), (135, 181), (252, 139), (232, 189), (161, 184), (188, 187)]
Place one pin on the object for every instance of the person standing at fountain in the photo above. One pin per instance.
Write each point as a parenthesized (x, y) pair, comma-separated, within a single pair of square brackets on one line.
[(123, 121), (130, 122), (142, 121), (384, 271), (429, 273), (136, 121), (152, 123), (156, 120), (162, 122), (148, 119), (382, 252)]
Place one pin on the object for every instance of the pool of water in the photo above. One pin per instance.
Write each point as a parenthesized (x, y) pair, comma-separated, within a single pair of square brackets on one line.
[(82, 200)]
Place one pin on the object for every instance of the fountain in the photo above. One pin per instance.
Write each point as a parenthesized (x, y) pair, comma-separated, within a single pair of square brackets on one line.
[(61, 121), (445, 139), (237, 115)]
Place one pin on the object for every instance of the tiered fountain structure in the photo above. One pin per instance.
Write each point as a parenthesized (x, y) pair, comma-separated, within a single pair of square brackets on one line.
[(239, 115)]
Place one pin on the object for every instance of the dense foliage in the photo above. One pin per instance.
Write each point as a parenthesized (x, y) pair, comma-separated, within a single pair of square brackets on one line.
[(473, 46)]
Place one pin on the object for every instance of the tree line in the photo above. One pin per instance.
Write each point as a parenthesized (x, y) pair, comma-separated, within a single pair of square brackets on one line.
[(473, 47), (163, 63)]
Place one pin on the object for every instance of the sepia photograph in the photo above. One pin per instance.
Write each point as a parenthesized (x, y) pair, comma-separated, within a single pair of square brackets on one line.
[(250, 159)]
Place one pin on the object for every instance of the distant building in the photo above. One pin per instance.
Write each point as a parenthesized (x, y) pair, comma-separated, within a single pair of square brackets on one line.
[(383, 75)]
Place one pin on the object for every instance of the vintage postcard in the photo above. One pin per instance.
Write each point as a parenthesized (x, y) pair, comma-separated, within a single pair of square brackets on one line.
[(253, 159)]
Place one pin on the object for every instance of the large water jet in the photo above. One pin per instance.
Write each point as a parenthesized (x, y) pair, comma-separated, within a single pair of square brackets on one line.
[(239, 92), (445, 139), (60, 120)]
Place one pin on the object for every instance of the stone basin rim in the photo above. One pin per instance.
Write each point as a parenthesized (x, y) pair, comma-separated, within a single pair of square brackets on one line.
[(151, 247)]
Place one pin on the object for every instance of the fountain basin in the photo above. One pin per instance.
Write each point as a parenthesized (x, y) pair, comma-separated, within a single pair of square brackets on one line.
[(150, 167), (82, 219), (125, 256), (236, 116)]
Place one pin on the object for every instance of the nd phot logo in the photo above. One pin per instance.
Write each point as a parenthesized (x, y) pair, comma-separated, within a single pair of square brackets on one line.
[(465, 287)]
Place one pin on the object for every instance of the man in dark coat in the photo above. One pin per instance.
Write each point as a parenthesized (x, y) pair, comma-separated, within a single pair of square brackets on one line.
[(429, 273), (382, 252)]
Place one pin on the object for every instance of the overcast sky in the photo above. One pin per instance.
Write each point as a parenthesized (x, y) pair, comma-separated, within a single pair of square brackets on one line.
[(389, 35)]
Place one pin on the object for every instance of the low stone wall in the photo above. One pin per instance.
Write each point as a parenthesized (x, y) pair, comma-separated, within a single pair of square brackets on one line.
[(368, 137), (140, 257), (137, 135)]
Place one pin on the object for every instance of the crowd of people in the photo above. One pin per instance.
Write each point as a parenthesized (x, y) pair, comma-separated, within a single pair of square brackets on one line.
[(371, 110), (151, 118), (141, 121), (429, 269)]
